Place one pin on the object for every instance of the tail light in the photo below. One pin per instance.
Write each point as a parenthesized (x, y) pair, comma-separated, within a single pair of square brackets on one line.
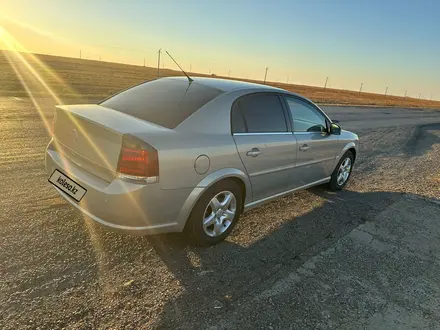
[(138, 160)]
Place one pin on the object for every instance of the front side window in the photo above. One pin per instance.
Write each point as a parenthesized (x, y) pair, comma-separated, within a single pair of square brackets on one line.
[(306, 118), (258, 113)]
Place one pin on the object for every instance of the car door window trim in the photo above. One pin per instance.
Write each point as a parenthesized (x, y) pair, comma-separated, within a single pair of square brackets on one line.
[(262, 133)]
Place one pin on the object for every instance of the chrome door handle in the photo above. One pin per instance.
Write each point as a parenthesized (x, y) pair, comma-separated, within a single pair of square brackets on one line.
[(255, 152), (304, 147)]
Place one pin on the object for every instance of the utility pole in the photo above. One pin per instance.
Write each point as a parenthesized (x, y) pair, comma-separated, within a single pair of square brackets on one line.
[(360, 89), (158, 63), (80, 55), (287, 80), (325, 85), (430, 97), (229, 73), (190, 67), (265, 75), (100, 57), (386, 90), (144, 62), (405, 93), (420, 95)]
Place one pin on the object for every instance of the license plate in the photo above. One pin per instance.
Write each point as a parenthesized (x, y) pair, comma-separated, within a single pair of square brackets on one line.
[(67, 185)]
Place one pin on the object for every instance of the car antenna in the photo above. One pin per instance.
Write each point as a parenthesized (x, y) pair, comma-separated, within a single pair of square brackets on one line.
[(189, 78)]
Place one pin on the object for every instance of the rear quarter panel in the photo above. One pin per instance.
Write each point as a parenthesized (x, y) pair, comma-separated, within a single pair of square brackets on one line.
[(178, 153)]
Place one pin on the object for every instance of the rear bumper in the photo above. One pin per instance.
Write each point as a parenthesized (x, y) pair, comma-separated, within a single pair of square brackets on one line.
[(130, 229), (138, 209)]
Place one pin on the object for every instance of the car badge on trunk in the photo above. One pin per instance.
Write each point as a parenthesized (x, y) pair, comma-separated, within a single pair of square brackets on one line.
[(74, 135)]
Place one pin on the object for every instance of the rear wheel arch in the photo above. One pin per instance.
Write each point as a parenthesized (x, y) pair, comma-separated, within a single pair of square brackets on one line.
[(236, 179), (193, 226), (235, 174)]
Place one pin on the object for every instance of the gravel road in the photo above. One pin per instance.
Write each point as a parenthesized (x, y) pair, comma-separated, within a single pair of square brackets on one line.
[(311, 260)]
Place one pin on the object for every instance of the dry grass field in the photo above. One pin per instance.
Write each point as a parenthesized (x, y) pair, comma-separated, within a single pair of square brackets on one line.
[(91, 80)]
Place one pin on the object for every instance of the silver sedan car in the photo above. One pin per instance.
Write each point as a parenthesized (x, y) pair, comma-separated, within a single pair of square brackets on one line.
[(174, 155)]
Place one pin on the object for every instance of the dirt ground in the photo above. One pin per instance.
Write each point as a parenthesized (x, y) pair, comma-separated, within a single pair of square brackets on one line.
[(366, 257)]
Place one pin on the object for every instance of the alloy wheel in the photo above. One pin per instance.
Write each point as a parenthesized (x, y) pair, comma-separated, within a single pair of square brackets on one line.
[(219, 213)]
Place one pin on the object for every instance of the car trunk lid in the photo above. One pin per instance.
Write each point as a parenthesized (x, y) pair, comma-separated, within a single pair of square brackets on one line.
[(91, 136)]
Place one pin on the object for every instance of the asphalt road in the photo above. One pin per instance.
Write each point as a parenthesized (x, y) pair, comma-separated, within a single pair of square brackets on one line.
[(366, 257)]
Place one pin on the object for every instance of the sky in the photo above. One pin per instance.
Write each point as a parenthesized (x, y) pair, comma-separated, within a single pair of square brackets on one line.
[(380, 43)]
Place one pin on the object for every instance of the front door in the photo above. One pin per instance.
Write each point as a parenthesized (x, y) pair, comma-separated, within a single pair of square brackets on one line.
[(317, 149), (265, 143)]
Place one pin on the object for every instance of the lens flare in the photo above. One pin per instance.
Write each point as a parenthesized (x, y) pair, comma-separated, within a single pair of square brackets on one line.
[(19, 58), (28, 67)]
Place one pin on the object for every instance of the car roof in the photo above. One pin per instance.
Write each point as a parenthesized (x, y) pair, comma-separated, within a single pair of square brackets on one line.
[(227, 85)]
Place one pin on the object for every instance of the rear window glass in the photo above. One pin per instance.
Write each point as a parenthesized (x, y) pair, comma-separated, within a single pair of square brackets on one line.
[(164, 102)]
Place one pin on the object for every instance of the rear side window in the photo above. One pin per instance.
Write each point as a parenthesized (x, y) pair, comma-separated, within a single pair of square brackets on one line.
[(164, 102), (258, 113)]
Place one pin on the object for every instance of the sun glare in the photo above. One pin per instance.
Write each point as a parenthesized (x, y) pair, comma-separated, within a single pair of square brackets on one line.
[(28, 67), (23, 62), (37, 78)]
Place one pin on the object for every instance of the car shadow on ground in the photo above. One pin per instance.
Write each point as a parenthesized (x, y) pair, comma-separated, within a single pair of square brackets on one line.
[(230, 273)]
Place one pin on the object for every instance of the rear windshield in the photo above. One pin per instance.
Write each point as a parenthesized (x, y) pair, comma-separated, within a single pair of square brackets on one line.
[(164, 102)]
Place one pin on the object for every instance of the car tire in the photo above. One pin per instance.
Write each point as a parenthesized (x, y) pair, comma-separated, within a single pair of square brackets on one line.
[(199, 227), (337, 182)]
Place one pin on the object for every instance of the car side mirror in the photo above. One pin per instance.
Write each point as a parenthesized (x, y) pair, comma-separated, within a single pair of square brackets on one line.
[(335, 129)]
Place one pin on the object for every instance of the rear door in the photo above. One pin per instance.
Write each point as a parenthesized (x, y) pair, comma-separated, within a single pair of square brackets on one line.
[(317, 149), (266, 145)]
